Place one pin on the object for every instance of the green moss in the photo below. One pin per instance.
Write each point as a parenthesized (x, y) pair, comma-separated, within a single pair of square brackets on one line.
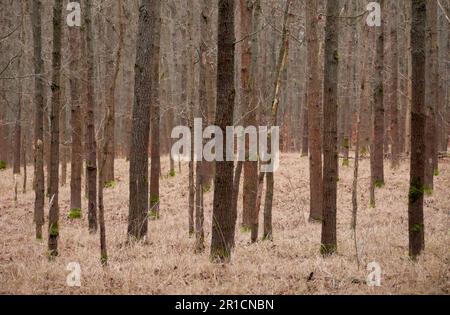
[(75, 213), (346, 162), (52, 254), (346, 143), (104, 260), (436, 172), (3, 165), (336, 56), (428, 191), (54, 230), (154, 200), (206, 188), (110, 184), (153, 215), (172, 173), (415, 193), (364, 151), (245, 229), (327, 249), (417, 228), (378, 184)]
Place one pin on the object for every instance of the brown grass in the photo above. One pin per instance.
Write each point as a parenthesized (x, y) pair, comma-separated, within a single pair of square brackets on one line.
[(167, 264)]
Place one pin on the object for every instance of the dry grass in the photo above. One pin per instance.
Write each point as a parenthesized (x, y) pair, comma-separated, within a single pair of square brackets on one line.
[(167, 265)]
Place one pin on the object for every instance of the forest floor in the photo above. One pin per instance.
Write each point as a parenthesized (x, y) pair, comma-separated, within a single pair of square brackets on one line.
[(290, 264)]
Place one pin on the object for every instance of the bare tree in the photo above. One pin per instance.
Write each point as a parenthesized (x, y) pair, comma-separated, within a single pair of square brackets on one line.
[(222, 219), (138, 207), (53, 217), (330, 150), (314, 111), (38, 119), (418, 121), (91, 143)]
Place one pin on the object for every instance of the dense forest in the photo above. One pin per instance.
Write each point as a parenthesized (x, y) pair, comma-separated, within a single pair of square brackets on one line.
[(316, 146)]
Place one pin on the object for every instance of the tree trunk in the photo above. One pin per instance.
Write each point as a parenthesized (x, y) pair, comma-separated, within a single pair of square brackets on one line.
[(38, 119), (246, 95), (281, 66), (393, 100), (431, 93), (76, 119), (53, 216), (418, 120), (330, 148), (222, 219), (155, 115), (378, 121), (91, 146), (314, 112), (138, 207)]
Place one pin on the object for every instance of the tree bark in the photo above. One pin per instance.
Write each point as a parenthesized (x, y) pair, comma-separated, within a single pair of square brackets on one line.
[(38, 119), (53, 217), (76, 119), (91, 145), (222, 219), (418, 121), (330, 148), (314, 112), (138, 207), (155, 115), (431, 93)]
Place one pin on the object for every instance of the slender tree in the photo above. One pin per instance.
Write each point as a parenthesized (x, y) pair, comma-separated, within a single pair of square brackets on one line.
[(250, 11), (314, 111), (418, 121), (76, 165), (155, 115), (222, 217), (330, 149), (38, 119), (53, 217), (378, 111), (91, 143), (394, 85), (431, 91), (138, 207)]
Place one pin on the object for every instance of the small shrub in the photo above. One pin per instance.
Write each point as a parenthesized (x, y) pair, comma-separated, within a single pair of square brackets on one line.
[(75, 213), (378, 184), (172, 173), (3, 165), (110, 184)]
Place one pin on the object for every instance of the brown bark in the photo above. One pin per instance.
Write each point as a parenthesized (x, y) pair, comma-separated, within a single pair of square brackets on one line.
[(76, 165), (38, 119), (431, 93), (393, 100), (236, 185), (53, 217), (222, 219), (418, 121), (246, 91), (281, 66), (91, 145), (314, 112), (138, 207), (330, 148), (377, 173), (155, 115)]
